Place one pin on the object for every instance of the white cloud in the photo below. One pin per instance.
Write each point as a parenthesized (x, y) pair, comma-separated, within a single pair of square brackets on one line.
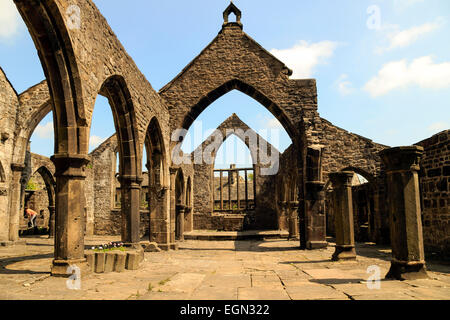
[(344, 86), (45, 131), (304, 57), (422, 72), (403, 38), (438, 127), (95, 141), (9, 19)]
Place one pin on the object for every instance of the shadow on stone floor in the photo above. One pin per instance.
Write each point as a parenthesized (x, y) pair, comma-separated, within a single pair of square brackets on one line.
[(302, 262), (336, 281), (4, 263)]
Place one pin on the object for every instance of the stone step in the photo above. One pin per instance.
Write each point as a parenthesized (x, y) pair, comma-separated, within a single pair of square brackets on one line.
[(235, 235)]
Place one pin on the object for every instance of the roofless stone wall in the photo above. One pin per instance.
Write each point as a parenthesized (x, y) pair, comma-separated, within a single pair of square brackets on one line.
[(435, 191)]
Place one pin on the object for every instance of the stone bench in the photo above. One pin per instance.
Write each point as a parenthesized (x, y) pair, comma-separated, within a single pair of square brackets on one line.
[(114, 261)]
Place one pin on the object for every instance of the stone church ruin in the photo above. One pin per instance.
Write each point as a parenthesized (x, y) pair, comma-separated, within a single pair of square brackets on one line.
[(329, 182)]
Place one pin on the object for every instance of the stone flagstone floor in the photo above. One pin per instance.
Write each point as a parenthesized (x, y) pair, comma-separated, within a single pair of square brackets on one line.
[(220, 270)]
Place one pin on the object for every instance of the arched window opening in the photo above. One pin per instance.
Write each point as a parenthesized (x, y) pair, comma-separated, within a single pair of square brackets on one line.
[(234, 180), (251, 112), (39, 197)]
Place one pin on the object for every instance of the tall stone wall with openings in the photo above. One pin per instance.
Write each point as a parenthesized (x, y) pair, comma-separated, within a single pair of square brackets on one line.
[(264, 216), (9, 103), (435, 193), (102, 188)]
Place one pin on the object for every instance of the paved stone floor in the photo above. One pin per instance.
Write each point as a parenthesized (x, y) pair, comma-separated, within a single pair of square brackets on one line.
[(219, 270)]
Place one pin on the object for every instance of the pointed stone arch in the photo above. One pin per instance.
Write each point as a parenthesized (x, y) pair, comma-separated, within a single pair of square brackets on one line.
[(116, 91), (159, 183)]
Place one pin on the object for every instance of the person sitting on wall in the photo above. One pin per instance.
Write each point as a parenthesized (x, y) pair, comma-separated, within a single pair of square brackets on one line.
[(32, 215)]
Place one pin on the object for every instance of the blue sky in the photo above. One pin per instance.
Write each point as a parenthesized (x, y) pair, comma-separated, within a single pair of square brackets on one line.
[(382, 66)]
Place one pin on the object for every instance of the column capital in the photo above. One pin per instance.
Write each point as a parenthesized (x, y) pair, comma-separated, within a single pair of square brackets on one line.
[(402, 158), (314, 190), (341, 179), (294, 204), (17, 167), (283, 204), (70, 165), (173, 170), (130, 180)]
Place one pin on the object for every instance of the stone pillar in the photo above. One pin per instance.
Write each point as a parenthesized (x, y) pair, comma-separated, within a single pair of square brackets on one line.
[(51, 224), (188, 221), (293, 219), (15, 207), (312, 219), (70, 206), (408, 258), (282, 205), (159, 216), (173, 203), (343, 216), (130, 209), (180, 222)]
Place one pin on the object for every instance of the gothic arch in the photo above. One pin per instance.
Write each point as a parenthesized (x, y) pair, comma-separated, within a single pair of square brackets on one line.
[(247, 89), (46, 25), (116, 90), (50, 183), (156, 155)]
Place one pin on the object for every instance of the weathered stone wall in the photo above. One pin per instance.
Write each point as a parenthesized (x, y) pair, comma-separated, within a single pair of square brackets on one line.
[(264, 215), (435, 194), (8, 108), (103, 185), (233, 60), (348, 150)]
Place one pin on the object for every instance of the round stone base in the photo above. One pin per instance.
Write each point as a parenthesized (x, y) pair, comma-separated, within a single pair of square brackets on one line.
[(344, 253), (407, 271)]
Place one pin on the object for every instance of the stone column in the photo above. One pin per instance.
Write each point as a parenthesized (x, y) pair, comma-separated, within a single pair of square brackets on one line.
[(131, 189), (180, 222), (69, 220), (159, 217), (312, 220), (173, 203), (408, 258), (293, 220), (343, 216), (51, 224), (188, 221), (16, 206), (282, 205)]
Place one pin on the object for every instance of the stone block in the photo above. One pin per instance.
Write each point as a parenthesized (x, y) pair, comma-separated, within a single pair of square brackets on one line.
[(100, 258), (109, 261), (133, 260), (90, 258), (121, 258)]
